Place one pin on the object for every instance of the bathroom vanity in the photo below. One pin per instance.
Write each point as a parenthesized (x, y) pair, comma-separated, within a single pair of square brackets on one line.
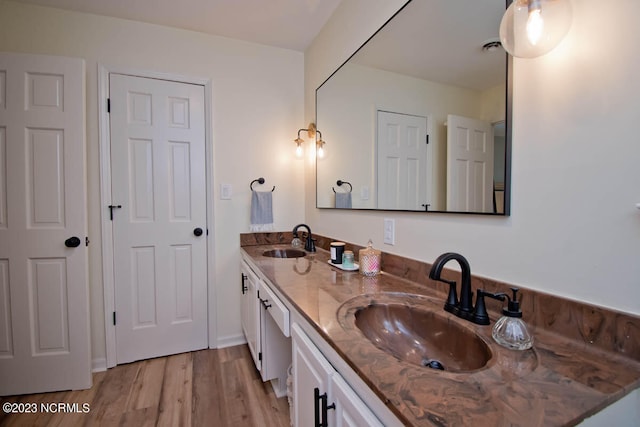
[(584, 358)]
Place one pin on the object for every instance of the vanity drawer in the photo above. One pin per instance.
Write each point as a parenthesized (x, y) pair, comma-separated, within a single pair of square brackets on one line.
[(278, 311)]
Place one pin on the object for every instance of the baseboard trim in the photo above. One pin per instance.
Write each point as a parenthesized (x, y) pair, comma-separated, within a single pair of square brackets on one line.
[(230, 341), (99, 365)]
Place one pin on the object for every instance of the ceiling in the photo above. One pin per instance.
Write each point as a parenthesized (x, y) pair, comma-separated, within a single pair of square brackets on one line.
[(436, 40), (289, 24), (441, 41)]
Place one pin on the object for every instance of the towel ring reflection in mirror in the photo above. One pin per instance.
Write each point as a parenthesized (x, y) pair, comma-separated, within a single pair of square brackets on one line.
[(340, 182), (259, 181)]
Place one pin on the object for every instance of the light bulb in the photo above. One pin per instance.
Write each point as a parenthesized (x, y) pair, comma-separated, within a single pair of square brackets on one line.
[(535, 26), (531, 28), (321, 151), (299, 147)]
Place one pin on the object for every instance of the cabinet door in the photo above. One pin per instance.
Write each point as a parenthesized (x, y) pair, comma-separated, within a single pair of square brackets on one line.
[(350, 410), (310, 370), (250, 314), (275, 346)]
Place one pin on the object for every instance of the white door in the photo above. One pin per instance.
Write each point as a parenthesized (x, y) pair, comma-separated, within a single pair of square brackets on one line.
[(159, 218), (469, 165), (402, 161), (44, 300)]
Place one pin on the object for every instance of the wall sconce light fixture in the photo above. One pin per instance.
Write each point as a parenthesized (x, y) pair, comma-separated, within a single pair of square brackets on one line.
[(311, 133), (531, 28)]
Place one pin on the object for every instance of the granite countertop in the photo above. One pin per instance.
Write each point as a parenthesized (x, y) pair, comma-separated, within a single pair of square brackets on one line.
[(558, 382)]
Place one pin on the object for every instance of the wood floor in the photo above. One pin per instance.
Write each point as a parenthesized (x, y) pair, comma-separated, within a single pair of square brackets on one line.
[(202, 388)]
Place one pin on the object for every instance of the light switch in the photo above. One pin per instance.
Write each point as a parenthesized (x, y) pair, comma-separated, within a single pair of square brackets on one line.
[(364, 193), (390, 231), (226, 191)]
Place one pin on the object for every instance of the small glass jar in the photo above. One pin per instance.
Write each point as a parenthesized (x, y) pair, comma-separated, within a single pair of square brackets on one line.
[(370, 260), (348, 259)]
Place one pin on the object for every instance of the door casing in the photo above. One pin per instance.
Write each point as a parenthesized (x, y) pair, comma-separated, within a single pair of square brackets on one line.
[(105, 200)]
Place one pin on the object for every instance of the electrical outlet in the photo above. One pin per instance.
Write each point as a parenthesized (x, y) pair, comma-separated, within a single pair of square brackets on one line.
[(390, 231)]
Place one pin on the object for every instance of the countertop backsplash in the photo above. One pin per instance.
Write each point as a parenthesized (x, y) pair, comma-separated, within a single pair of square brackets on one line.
[(595, 326)]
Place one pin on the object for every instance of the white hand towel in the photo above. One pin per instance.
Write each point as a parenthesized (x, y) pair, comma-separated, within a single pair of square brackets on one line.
[(261, 211), (343, 200)]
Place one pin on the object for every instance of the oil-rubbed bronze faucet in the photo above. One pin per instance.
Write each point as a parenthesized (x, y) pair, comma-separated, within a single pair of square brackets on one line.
[(463, 308), (309, 245)]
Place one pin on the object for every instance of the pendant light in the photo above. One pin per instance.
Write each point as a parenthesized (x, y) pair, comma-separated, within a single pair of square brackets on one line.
[(531, 28)]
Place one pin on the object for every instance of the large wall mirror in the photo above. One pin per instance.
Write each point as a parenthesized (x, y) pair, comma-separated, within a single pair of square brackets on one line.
[(418, 119)]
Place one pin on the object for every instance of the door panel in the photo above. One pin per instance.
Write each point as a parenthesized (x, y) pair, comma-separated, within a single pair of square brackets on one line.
[(402, 161), (44, 303), (48, 283), (6, 339), (469, 165), (45, 177), (158, 176), (181, 282)]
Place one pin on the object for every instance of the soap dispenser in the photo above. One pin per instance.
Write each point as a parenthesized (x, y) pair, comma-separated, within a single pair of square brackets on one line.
[(370, 260), (297, 243), (510, 331)]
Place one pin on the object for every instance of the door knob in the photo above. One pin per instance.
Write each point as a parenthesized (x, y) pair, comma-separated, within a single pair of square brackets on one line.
[(197, 231), (72, 242)]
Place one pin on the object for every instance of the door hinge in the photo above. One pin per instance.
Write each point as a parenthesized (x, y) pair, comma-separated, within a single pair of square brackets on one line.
[(260, 356), (114, 318), (427, 139), (86, 241), (108, 105)]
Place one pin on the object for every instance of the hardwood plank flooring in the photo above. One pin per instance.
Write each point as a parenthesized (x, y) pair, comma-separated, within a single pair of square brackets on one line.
[(203, 388)]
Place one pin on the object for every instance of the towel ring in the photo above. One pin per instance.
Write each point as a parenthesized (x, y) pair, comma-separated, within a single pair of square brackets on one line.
[(260, 181), (340, 182)]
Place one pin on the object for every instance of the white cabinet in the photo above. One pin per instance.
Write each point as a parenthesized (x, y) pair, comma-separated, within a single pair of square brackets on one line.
[(350, 410), (265, 323), (311, 373), (321, 397), (250, 313)]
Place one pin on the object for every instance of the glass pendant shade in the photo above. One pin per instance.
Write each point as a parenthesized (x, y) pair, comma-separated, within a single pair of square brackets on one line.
[(532, 28), (299, 147), (321, 149)]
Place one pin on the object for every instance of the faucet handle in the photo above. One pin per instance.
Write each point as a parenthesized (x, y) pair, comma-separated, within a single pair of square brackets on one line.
[(310, 245), (452, 299), (480, 315)]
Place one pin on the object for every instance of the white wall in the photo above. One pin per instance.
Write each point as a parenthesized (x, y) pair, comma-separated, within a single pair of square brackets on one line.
[(574, 229), (257, 108)]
